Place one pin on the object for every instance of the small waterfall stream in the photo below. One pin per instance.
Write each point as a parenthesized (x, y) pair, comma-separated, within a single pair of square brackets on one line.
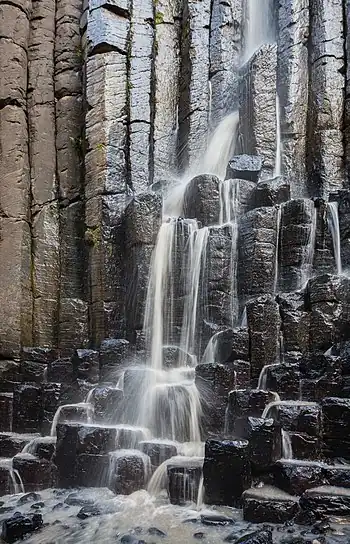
[(333, 222)]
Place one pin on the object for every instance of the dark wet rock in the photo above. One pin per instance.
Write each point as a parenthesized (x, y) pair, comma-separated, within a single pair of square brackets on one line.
[(6, 509), (29, 497), (295, 320), (45, 449), (336, 427), (114, 354), (326, 501), (38, 505), (50, 400), (183, 482), (13, 443), (199, 535), (298, 417), (16, 527), (36, 474), (257, 243), (108, 404), (284, 378), (264, 324), (264, 436), (26, 408), (305, 446), (154, 531), (214, 382), (245, 403), (130, 539), (216, 520), (230, 345), (272, 192), (158, 452), (88, 511), (337, 475), (93, 439), (9, 375), (6, 408), (257, 537), (127, 474), (295, 476), (86, 365), (202, 200), (226, 461), (32, 371), (60, 371), (247, 167), (92, 470), (269, 504), (321, 527)]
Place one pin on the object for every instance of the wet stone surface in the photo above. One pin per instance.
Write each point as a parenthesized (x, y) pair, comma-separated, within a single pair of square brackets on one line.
[(89, 516)]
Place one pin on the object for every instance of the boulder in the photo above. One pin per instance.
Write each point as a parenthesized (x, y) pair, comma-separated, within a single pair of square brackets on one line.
[(20, 525), (295, 476), (272, 192), (127, 473), (264, 436), (326, 501)]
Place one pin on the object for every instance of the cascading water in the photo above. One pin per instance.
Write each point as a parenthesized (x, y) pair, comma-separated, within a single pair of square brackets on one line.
[(259, 25), (333, 222), (308, 258)]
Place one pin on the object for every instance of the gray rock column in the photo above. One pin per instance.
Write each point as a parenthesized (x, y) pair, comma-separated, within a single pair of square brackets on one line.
[(258, 122), (257, 246), (15, 238), (347, 92), (166, 69), (225, 55), (139, 91), (73, 307), (194, 88), (293, 81), (326, 100), (106, 182)]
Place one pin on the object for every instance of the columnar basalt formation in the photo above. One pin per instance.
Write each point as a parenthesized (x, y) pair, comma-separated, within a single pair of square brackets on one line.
[(174, 254)]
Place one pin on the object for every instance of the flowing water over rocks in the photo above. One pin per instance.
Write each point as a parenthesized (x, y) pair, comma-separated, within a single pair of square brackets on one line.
[(175, 226)]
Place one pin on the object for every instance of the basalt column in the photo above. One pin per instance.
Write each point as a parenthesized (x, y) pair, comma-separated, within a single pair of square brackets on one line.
[(106, 183), (73, 307), (15, 235), (326, 99)]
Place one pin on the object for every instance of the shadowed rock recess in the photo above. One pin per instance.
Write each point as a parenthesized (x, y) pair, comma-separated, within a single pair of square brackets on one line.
[(175, 271)]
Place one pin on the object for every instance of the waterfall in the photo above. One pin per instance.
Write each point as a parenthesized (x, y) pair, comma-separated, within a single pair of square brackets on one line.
[(259, 26), (262, 383), (278, 234), (278, 160), (196, 258), (287, 450), (308, 259), (333, 224)]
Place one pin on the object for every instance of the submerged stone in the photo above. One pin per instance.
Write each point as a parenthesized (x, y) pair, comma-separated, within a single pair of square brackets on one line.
[(258, 537), (216, 519)]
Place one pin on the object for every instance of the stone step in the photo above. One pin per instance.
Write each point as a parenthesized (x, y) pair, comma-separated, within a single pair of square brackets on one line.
[(269, 504), (296, 476), (13, 443), (326, 501)]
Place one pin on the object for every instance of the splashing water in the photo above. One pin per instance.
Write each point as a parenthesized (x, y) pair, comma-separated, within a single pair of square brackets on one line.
[(83, 406)]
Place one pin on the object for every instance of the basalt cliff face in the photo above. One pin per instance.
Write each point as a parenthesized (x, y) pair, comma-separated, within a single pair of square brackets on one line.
[(174, 256)]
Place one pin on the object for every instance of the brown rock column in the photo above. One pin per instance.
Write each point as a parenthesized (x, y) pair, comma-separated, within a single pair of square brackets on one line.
[(42, 152), (15, 252)]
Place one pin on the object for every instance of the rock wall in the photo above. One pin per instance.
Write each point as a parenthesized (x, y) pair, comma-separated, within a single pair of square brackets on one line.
[(101, 100)]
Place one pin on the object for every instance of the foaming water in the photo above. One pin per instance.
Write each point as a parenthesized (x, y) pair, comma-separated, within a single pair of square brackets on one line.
[(262, 383), (333, 223)]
